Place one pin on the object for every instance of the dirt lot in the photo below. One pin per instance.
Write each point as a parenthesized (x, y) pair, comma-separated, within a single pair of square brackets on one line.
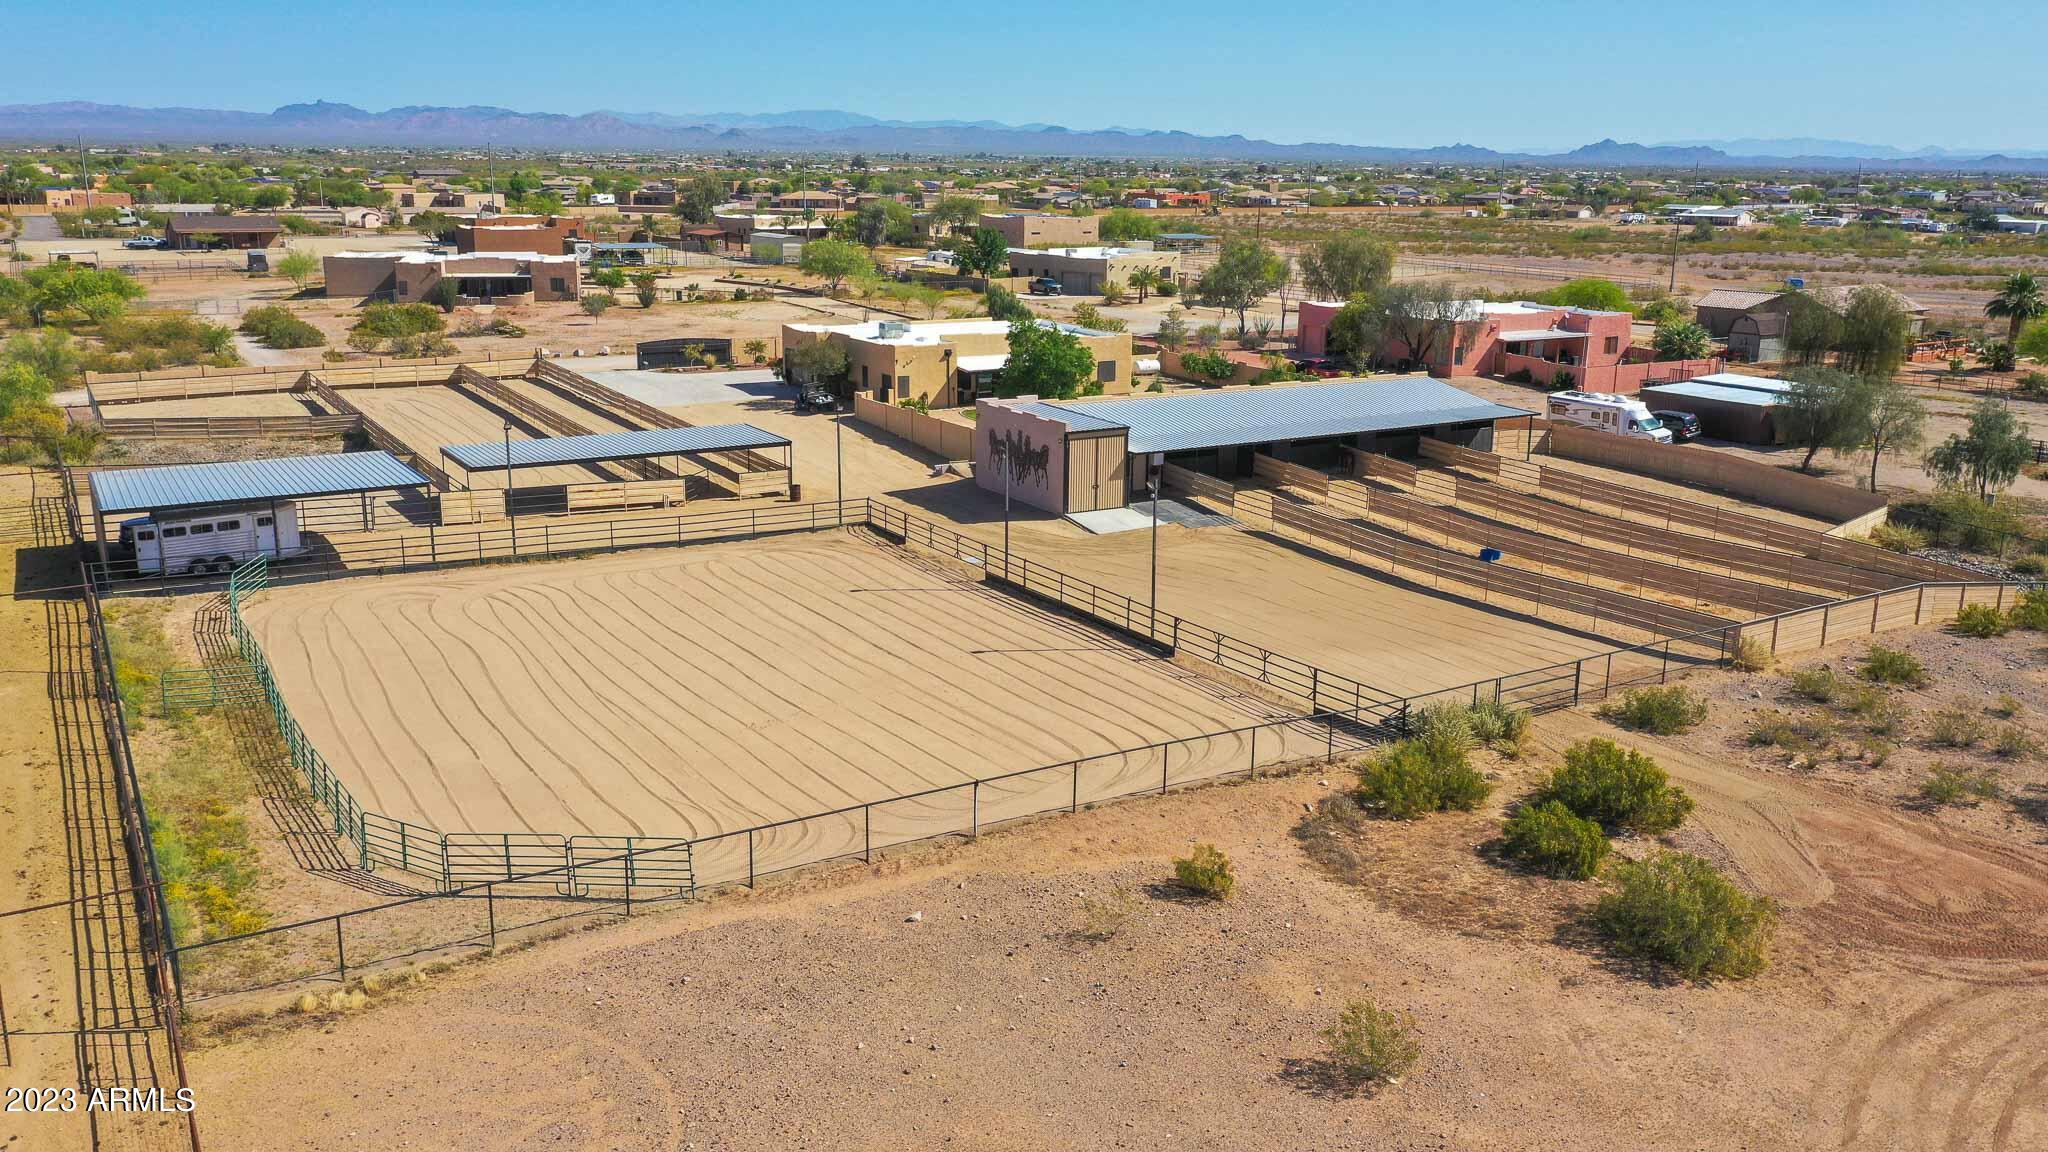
[(693, 692), (1390, 634), (1903, 1010)]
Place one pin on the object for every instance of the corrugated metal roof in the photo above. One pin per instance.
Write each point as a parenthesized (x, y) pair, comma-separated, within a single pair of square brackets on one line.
[(613, 446), (1737, 298), (1067, 416), (1285, 412), (1748, 383), (245, 481), (1697, 391)]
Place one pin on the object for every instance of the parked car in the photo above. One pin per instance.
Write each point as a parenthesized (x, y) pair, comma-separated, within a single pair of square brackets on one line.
[(144, 242), (1321, 366), (1683, 426), (817, 398), (1633, 218), (1045, 286)]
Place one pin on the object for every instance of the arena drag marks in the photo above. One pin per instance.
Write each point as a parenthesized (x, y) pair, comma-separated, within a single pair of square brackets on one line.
[(701, 690)]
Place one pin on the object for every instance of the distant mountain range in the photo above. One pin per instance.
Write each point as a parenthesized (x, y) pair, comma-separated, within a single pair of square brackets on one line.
[(327, 124)]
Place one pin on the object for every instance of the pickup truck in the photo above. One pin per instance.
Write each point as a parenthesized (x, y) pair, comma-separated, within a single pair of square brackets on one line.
[(1044, 286), (143, 242)]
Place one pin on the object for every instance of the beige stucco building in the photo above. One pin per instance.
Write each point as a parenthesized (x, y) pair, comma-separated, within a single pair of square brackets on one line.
[(1083, 271), (948, 363), (497, 277), (1042, 230)]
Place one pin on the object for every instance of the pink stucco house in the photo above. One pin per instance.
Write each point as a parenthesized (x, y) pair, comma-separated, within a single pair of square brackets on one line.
[(1593, 348)]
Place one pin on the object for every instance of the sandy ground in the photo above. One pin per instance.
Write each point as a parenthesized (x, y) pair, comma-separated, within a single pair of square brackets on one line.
[(815, 1016), (37, 966), (1392, 635), (427, 418), (697, 691)]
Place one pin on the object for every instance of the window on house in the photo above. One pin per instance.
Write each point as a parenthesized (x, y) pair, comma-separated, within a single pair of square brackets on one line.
[(1458, 355), (1611, 345), (1105, 371), (557, 284), (404, 289)]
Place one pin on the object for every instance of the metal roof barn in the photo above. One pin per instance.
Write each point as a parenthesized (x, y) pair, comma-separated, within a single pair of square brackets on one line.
[(641, 445), (1739, 414), (1272, 413), (173, 486)]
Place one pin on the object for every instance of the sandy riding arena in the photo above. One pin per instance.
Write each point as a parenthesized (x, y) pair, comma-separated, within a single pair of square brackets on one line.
[(692, 691)]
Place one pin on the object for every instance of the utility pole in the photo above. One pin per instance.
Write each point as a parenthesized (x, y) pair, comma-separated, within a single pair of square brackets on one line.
[(84, 174)]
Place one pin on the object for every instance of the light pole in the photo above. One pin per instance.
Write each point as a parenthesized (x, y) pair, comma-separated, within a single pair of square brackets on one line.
[(511, 509), (838, 466), (1002, 457), (1153, 626)]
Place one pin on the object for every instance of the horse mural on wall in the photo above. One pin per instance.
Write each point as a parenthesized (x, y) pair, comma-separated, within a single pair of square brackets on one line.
[(1015, 451)]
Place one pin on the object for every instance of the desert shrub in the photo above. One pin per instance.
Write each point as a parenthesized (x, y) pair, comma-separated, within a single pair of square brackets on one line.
[(1676, 908), (1819, 685), (1665, 711), (1206, 871), (393, 326), (1751, 655), (1208, 365), (1499, 725), (1876, 752), (1892, 666), (1865, 700), (279, 327), (2012, 742), (1416, 777), (1370, 1044), (1898, 538), (2032, 566), (2031, 612), (1946, 785), (1616, 788), (1980, 621), (2006, 706), (1444, 729), (1548, 837), (1775, 729), (1104, 917), (1955, 728)]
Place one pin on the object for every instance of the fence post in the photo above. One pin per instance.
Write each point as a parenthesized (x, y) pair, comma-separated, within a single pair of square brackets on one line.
[(974, 811), (750, 857), (491, 911), (1165, 758), (340, 952), (1253, 771), (1074, 805), (867, 833)]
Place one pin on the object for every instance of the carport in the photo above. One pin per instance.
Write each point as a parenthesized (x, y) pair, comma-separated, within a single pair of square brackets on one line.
[(740, 444)]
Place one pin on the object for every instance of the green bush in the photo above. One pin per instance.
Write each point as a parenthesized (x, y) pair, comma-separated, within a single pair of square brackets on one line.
[(1665, 711), (2029, 566), (1792, 733), (1676, 908), (276, 326), (1497, 725), (1955, 728), (1416, 777), (1206, 871), (1547, 836), (1208, 365), (1892, 666), (2031, 612), (1617, 788), (1947, 785), (1898, 538), (1819, 685), (403, 327), (1981, 621), (1369, 1044), (1751, 655), (1445, 729), (2012, 742)]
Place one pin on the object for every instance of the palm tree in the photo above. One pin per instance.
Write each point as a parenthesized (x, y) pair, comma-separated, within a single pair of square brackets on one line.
[(2020, 300), (1144, 280)]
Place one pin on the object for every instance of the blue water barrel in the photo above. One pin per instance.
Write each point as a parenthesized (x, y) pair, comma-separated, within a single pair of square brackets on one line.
[(1489, 554)]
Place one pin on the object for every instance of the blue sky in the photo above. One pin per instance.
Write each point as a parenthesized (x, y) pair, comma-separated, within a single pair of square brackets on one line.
[(1534, 74)]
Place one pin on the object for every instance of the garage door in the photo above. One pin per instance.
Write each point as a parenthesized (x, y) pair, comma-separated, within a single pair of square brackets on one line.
[(1095, 473), (1074, 283)]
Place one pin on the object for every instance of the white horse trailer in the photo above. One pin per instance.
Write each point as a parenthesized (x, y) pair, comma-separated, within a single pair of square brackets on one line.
[(185, 543), (1607, 412)]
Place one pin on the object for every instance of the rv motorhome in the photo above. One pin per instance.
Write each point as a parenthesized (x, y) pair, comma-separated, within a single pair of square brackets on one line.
[(1607, 412), (194, 544)]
